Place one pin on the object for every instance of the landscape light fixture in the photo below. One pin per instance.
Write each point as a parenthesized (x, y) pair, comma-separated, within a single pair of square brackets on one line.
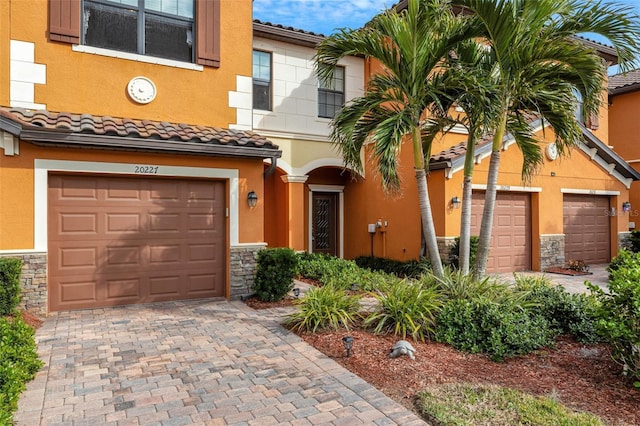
[(354, 287), (455, 202), (296, 292), (347, 341), (252, 199)]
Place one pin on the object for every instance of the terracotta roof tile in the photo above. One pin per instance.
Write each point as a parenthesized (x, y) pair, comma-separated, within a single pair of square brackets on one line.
[(288, 28), (620, 82), (134, 128)]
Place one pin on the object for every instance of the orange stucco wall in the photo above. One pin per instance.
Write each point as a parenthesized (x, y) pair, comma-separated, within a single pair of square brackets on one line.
[(624, 136), (17, 187), (401, 239), (86, 83)]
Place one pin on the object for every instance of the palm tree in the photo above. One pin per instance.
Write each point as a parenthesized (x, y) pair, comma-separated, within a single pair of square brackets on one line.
[(538, 63), (467, 83), (409, 45)]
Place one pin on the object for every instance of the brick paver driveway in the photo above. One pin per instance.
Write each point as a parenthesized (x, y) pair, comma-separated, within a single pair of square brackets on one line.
[(196, 362)]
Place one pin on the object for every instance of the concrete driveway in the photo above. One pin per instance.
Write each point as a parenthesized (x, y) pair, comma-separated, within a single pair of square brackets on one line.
[(197, 362)]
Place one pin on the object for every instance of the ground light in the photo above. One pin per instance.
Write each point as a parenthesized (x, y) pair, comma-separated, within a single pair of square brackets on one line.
[(347, 341)]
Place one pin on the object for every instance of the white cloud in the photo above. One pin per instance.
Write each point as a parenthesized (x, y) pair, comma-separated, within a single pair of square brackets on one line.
[(320, 16)]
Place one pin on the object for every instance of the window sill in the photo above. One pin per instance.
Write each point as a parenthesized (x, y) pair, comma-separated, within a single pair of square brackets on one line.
[(135, 57)]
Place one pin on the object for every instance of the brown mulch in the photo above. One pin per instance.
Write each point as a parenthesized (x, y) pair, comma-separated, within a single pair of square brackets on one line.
[(566, 271), (30, 319), (582, 377), (256, 303)]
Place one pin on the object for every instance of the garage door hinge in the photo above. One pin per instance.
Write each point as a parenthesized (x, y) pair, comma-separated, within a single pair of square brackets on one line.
[(226, 212)]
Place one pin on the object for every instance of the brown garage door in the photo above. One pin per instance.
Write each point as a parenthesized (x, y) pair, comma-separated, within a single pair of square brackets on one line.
[(511, 234), (587, 233), (117, 240)]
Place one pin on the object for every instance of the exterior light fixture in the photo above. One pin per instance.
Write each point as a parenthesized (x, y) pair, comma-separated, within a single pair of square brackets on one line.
[(455, 202), (252, 199), (296, 292), (626, 206), (347, 341)]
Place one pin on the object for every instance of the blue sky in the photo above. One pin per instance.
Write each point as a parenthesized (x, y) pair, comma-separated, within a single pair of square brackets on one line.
[(324, 16)]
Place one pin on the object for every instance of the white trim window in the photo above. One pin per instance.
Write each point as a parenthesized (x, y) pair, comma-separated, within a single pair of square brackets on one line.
[(331, 94), (160, 28), (262, 80)]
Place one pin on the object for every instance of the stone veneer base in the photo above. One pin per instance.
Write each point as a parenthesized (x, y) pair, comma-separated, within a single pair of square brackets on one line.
[(551, 251), (243, 269), (33, 281)]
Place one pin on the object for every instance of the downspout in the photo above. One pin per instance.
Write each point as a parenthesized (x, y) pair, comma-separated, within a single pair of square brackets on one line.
[(272, 167)]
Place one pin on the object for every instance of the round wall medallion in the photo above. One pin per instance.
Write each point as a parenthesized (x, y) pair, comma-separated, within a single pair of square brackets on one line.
[(141, 90), (552, 151)]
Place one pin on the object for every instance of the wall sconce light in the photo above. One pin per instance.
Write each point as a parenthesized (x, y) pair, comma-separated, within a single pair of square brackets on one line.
[(347, 341), (296, 292), (455, 202), (626, 206), (252, 199)]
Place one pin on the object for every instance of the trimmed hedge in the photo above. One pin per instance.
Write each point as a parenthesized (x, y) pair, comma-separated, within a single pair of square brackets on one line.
[(408, 269), (274, 277), (10, 270)]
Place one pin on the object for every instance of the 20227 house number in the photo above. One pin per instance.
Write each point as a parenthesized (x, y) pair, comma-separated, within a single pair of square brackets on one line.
[(146, 170)]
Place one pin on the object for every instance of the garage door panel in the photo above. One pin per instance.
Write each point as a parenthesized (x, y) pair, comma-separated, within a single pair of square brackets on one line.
[(123, 289), (587, 228), (123, 240), (510, 246)]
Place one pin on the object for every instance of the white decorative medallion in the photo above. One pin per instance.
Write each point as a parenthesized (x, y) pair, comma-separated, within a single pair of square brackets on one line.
[(141, 90), (552, 151)]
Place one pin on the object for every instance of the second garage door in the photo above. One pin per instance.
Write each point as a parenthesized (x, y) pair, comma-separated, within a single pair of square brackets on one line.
[(511, 235), (587, 232), (117, 240)]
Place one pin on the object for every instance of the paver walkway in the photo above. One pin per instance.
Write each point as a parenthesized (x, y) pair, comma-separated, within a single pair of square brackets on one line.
[(196, 362)]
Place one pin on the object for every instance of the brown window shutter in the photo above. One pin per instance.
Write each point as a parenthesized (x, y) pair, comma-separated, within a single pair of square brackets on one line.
[(208, 32), (593, 122), (64, 20)]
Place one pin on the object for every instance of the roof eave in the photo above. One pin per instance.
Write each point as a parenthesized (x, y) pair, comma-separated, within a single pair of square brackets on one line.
[(609, 155), (81, 140), (283, 34)]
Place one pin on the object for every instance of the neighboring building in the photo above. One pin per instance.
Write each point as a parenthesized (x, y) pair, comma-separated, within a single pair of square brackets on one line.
[(104, 193), (624, 130), (307, 194), (570, 210)]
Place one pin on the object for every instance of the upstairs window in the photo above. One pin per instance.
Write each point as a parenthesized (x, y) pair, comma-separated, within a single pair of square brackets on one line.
[(331, 94), (262, 80), (160, 28)]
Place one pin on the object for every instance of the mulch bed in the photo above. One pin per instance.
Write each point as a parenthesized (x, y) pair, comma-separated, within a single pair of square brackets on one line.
[(582, 377), (256, 303), (565, 271)]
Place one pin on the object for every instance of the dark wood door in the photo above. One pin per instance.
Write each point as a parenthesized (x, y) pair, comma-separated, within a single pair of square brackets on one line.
[(325, 223)]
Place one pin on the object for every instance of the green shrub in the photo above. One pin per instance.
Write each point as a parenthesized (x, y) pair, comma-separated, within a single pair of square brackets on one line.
[(18, 363), (324, 307), (342, 273), (624, 259), (619, 313), (454, 254), (635, 240), (406, 308), (456, 285), (407, 269), (566, 313), (10, 270), (276, 269), (499, 330)]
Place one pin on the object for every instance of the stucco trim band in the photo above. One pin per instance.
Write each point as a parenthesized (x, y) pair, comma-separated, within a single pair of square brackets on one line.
[(588, 191), (511, 188)]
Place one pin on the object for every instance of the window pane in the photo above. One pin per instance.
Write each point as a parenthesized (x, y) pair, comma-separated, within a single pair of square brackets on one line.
[(183, 8), (262, 65), (261, 96), (168, 38), (110, 27)]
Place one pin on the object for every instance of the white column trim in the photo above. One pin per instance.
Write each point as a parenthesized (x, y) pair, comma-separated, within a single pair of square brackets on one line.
[(588, 191), (328, 188), (294, 179), (41, 185)]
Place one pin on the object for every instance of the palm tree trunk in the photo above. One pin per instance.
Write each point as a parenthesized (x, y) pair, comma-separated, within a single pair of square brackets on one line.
[(486, 226), (465, 227), (464, 251), (428, 227)]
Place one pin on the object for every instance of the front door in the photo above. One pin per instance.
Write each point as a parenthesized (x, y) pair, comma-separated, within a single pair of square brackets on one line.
[(324, 231)]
